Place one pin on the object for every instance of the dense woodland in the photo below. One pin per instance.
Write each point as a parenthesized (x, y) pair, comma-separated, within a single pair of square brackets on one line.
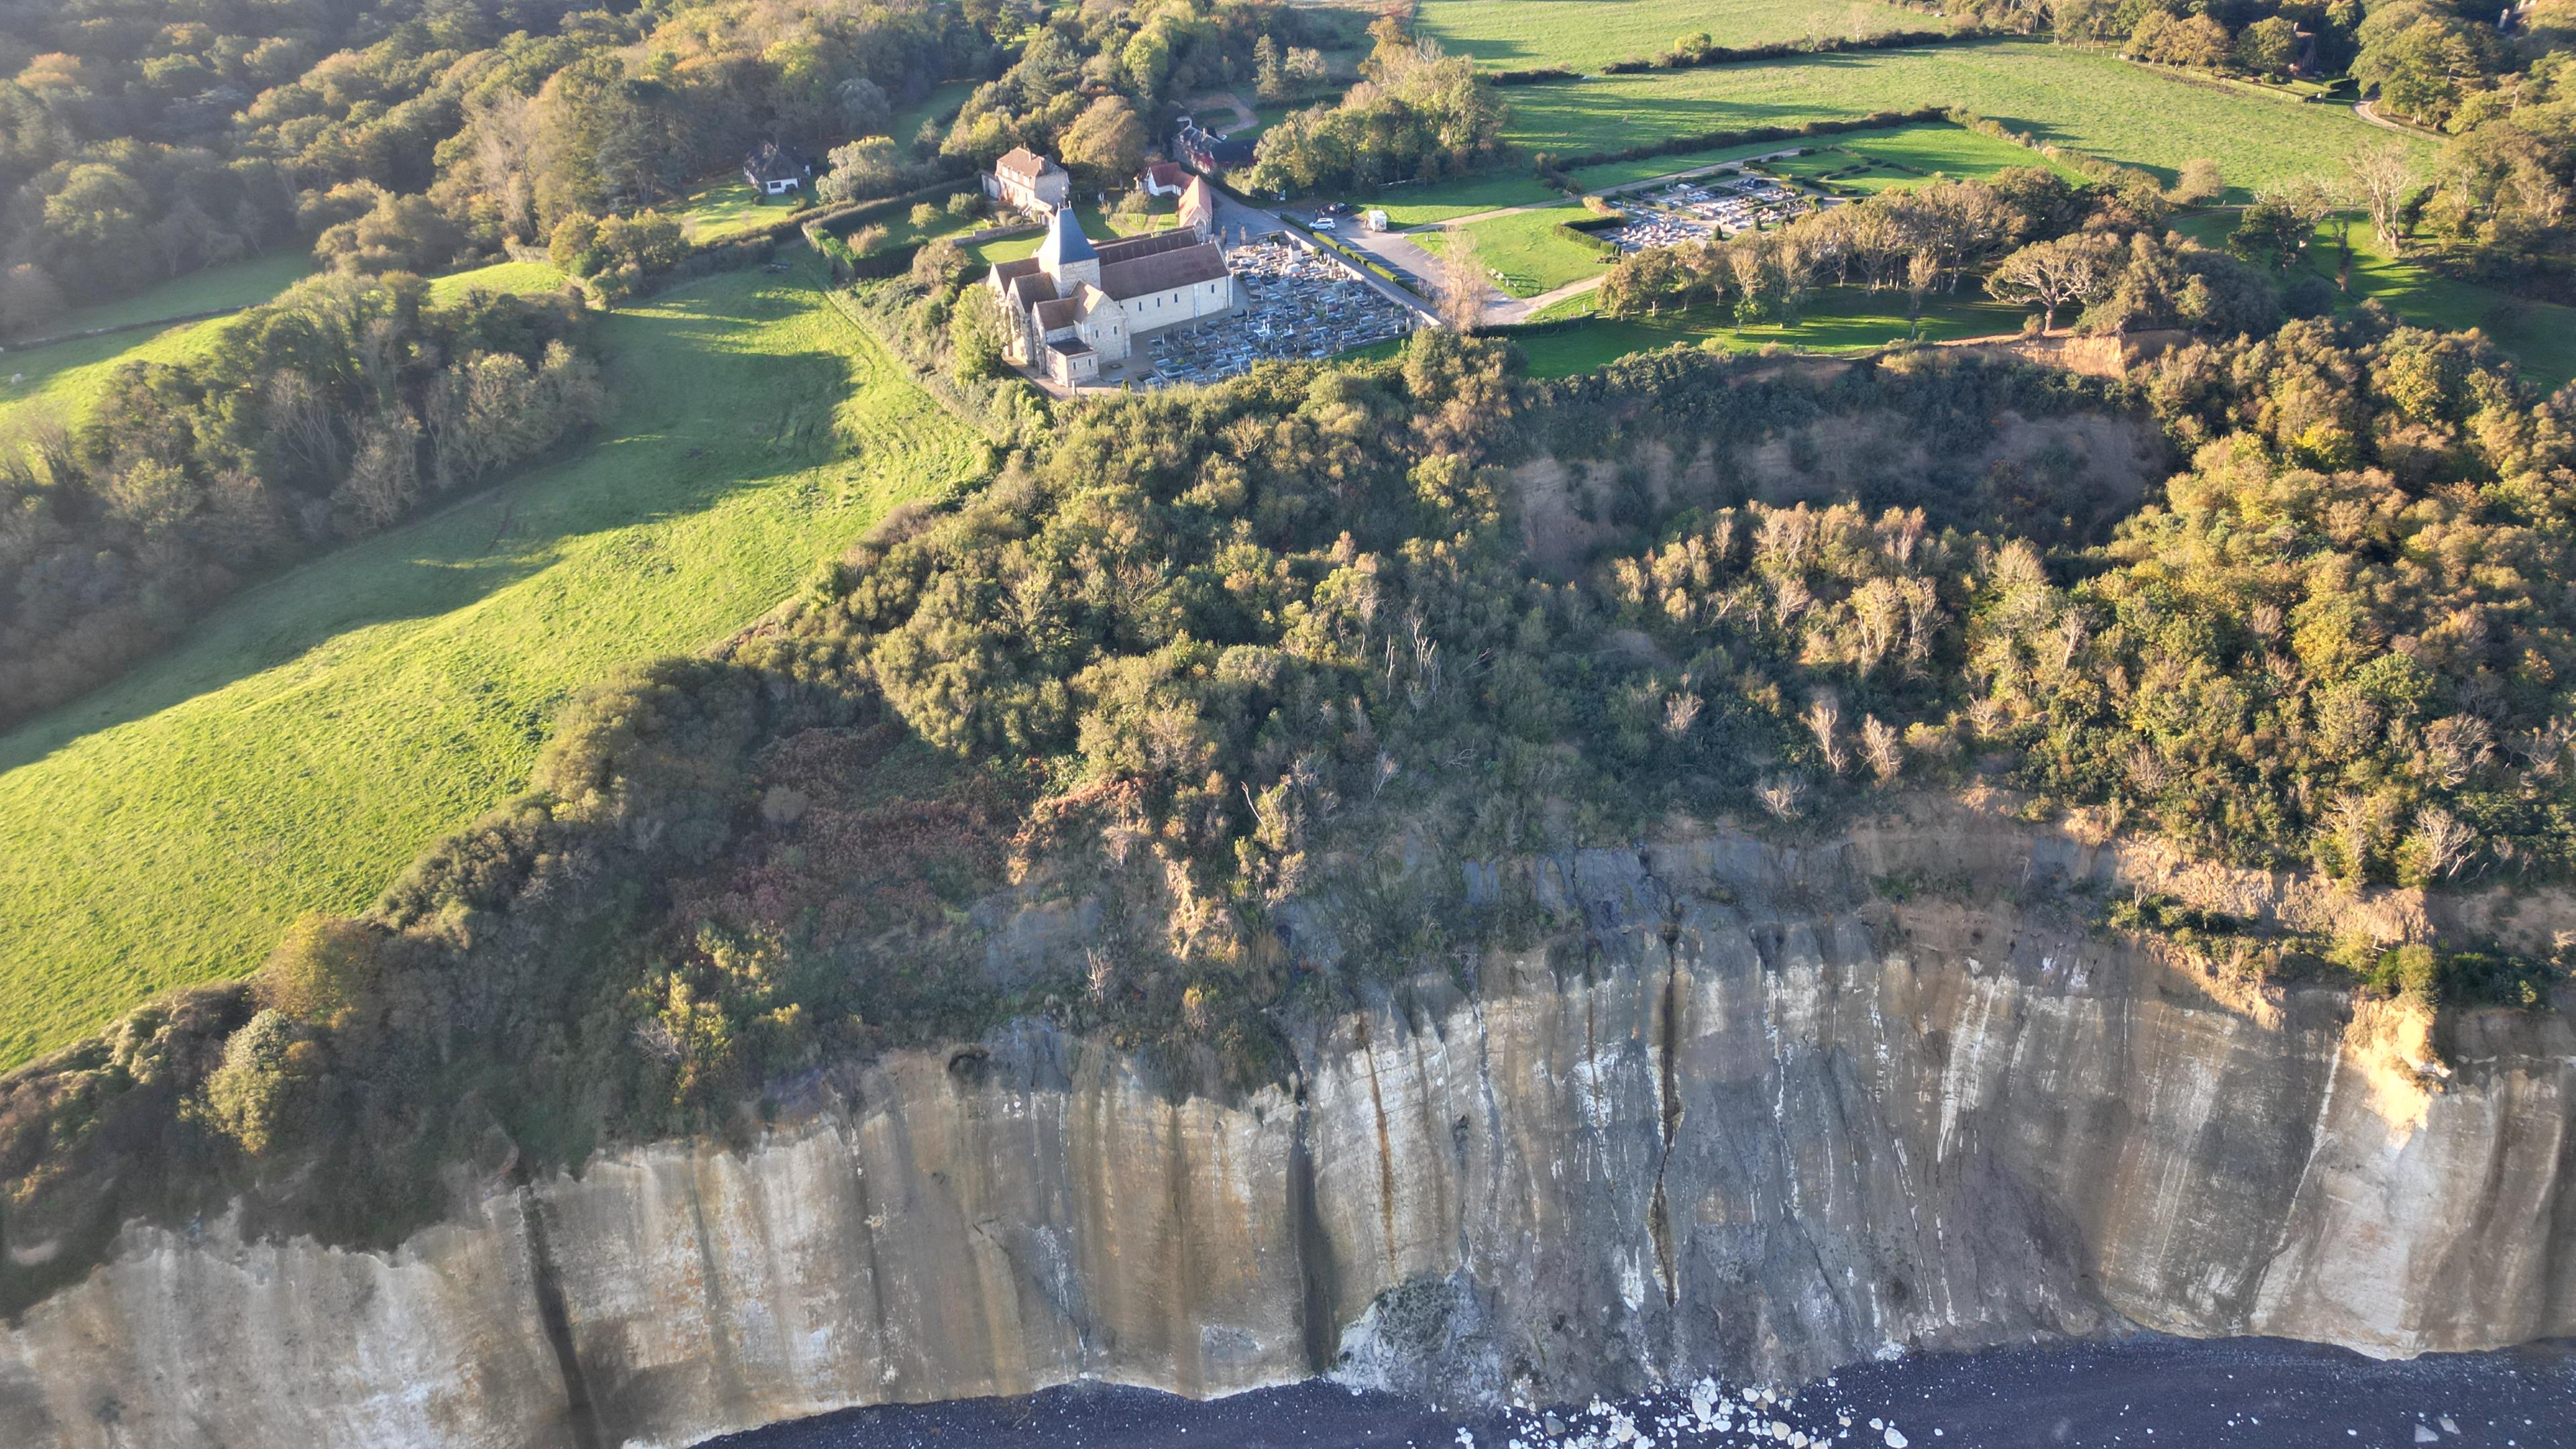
[(134, 147)]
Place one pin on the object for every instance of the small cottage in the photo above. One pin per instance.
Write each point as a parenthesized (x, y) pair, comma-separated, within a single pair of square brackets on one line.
[(775, 168)]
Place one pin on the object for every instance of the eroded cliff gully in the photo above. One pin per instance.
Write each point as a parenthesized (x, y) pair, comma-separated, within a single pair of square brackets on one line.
[(1754, 1109)]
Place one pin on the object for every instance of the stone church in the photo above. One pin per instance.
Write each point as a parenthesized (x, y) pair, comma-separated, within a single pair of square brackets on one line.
[(1076, 307)]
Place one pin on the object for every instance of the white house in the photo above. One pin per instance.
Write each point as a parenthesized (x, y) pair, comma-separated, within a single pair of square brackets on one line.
[(775, 168), (1075, 307)]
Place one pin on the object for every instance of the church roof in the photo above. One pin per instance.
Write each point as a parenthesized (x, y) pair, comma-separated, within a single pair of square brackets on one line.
[(1129, 248), (1182, 267), (1064, 242)]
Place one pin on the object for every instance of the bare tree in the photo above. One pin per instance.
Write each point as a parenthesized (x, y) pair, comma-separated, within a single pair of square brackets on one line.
[(1781, 794), (1880, 746), (1824, 715), (2383, 177), (2446, 843), (1681, 711), (1461, 284), (503, 131)]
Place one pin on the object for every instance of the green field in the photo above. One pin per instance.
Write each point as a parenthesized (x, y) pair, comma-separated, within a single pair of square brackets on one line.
[(1526, 251), (729, 206), (2541, 336), (2093, 102), (1647, 168), (308, 738), (1449, 200), (1587, 34), (1868, 162), (60, 380)]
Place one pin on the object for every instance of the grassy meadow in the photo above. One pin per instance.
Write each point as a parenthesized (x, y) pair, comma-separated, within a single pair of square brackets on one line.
[(526, 278), (311, 735), (1869, 162), (1587, 34), (2088, 100), (60, 380), (1449, 200)]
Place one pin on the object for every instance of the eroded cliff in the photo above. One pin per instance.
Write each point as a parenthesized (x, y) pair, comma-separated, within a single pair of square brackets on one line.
[(1742, 1107)]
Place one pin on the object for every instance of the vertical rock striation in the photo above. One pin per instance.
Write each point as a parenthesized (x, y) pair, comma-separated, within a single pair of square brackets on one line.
[(1745, 1111)]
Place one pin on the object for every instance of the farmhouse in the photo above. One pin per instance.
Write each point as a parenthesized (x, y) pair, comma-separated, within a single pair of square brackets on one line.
[(775, 168), (1075, 307), (1028, 181)]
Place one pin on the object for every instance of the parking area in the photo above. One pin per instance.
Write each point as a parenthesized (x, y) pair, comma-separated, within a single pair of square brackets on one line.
[(1297, 305), (1689, 211)]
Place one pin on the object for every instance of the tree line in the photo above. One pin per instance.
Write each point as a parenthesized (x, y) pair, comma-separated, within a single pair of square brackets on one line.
[(1416, 115), (330, 414)]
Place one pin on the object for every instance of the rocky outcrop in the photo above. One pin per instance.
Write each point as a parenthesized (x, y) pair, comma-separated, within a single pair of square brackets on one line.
[(1743, 1108)]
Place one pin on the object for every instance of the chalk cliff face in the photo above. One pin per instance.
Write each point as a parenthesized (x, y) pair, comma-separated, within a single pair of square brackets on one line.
[(1748, 1109)]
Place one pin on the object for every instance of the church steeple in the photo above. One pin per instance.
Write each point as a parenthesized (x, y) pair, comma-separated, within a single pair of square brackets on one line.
[(1066, 255)]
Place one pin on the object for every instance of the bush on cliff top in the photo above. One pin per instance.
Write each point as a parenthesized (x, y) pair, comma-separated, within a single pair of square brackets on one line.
[(1216, 664)]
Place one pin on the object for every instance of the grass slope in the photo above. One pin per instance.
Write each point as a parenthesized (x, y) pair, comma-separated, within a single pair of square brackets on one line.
[(1586, 34), (302, 744), (61, 379), (2092, 101), (2540, 336)]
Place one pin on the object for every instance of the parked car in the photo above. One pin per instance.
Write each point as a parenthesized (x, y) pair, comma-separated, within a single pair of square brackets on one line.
[(1325, 223)]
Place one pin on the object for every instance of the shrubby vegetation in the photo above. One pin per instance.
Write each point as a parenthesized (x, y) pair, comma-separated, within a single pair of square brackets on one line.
[(1095, 68), (1417, 115), (1205, 675), (332, 413)]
